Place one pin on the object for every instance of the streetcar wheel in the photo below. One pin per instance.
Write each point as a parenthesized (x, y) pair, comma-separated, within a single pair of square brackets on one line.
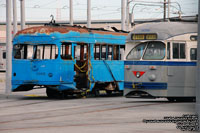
[(53, 93), (171, 99), (96, 92), (109, 92)]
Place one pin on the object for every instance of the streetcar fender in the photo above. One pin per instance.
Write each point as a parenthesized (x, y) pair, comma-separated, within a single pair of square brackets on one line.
[(66, 87)]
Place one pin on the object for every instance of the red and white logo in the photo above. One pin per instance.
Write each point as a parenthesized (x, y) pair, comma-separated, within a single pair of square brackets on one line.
[(138, 74)]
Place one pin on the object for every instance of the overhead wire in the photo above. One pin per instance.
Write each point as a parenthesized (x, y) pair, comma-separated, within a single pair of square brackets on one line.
[(107, 9), (49, 3)]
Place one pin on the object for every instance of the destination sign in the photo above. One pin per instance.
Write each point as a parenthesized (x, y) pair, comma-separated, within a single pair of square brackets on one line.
[(144, 36)]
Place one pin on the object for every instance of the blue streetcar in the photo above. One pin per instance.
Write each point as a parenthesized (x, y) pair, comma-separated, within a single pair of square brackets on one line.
[(67, 60)]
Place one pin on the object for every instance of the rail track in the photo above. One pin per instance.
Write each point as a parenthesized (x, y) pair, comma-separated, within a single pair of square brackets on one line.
[(71, 111)]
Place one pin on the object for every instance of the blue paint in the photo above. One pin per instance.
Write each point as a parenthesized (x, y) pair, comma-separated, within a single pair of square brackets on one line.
[(70, 36), (160, 63), (115, 66), (145, 85)]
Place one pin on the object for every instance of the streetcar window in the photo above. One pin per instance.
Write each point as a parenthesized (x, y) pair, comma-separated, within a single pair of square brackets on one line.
[(28, 52), (66, 51), (155, 51), (182, 51), (109, 52), (25, 51), (45, 51), (103, 52), (86, 52), (4, 55), (193, 54), (77, 52), (168, 50), (116, 52), (122, 50), (37, 54), (178, 50), (38, 50), (137, 52), (81, 52), (97, 52), (175, 50)]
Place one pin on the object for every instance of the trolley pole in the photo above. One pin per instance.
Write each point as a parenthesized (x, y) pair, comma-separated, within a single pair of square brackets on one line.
[(123, 14), (198, 71), (127, 15), (168, 10), (14, 17), (88, 13), (8, 47), (22, 2), (71, 11), (164, 13)]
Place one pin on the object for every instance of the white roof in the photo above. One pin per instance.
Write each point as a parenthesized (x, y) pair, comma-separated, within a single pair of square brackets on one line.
[(165, 30)]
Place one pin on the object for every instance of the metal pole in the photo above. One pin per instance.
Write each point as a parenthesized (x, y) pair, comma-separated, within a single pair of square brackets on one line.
[(8, 47), (88, 13), (71, 11), (127, 15), (22, 2), (14, 17), (164, 15), (198, 71), (123, 14), (168, 9)]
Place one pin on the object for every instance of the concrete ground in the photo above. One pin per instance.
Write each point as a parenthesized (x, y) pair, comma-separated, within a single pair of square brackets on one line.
[(33, 112)]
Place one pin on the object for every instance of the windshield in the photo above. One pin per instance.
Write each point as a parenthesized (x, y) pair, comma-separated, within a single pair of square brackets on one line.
[(44, 51), (147, 51), (155, 51), (137, 52)]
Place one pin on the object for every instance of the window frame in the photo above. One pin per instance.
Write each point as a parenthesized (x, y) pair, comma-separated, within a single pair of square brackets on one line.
[(83, 53), (168, 51), (179, 48), (4, 55), (24, 55), (196, 54), (66, 51), (146, 43), (105, 54), (147, 46)]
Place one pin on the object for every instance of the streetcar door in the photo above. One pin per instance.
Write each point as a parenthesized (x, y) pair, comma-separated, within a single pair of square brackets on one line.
[(3, 60), (81, 66), (67, 63), (179, 68)]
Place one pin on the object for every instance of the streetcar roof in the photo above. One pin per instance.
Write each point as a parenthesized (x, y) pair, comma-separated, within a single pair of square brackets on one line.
[(65, 29), (64, 33), (164, 30)]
